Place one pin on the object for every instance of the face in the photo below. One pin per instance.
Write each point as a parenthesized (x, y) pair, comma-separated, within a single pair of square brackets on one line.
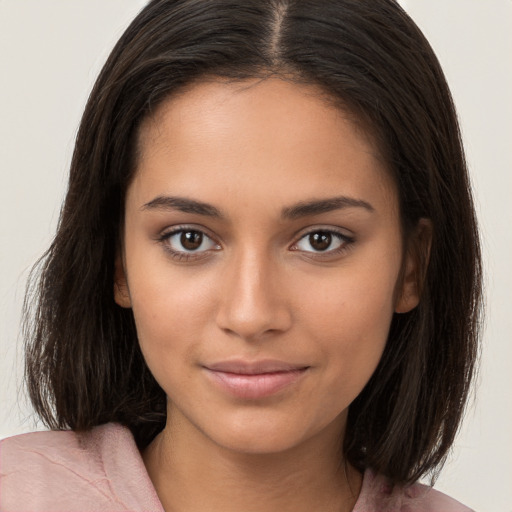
[(262, 254)]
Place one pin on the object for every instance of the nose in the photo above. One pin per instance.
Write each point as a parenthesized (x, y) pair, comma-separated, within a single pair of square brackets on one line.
[(253, 302)]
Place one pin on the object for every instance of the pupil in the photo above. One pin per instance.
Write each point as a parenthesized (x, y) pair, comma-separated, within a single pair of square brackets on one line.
[(320, 241), (191, 240)]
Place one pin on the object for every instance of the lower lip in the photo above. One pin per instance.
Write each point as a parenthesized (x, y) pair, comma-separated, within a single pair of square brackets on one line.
[(255, 386)]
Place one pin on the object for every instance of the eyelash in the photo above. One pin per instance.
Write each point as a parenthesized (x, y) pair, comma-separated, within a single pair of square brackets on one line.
[(344, 240), (165, 237), (345, 243)]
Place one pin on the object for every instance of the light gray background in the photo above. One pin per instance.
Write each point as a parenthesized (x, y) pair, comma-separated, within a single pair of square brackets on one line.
[(50, 54)]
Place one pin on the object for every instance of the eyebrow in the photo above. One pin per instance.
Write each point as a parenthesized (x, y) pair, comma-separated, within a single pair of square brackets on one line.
[(296, 211), (315, 207), (183, 204)]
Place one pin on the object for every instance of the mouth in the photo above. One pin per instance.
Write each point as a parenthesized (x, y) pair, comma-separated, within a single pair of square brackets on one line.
[(254, 380)]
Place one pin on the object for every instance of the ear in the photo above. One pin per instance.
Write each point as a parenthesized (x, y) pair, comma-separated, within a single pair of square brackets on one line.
[(414, 268), (121, 292)]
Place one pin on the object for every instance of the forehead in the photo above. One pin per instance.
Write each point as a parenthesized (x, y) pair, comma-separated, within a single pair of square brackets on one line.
[(218, 103), (236, 135)]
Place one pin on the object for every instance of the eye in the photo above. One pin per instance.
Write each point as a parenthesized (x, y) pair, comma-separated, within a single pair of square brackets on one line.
[(185, 242), (323, 241)]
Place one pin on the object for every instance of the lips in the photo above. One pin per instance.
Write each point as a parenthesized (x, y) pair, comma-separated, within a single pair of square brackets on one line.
[(254, 380), (254, 367)]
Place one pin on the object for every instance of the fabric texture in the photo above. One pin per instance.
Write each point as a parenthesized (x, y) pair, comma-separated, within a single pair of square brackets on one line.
[(102, 470)]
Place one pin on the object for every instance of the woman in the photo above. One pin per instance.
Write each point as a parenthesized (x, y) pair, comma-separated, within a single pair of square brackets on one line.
[(264, 289)]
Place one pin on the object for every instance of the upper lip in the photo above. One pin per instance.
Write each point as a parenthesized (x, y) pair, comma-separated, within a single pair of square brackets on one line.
[(254, 367)]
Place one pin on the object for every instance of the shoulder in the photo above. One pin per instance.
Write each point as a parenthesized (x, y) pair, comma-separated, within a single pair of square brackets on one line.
[(74, 471), (378, 494)]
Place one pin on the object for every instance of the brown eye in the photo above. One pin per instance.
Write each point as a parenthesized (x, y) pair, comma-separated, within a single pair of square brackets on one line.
[(191, 240), (323, 241), (188, 241), (320, 241)]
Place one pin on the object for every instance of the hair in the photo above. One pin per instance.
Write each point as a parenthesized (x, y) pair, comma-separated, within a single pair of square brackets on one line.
[(84, 366)]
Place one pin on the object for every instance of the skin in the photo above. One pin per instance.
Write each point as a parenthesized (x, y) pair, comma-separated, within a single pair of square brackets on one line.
[(259, 288)]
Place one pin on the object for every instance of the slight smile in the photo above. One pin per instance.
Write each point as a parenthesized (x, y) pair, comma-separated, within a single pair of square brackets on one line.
[(254, 380)]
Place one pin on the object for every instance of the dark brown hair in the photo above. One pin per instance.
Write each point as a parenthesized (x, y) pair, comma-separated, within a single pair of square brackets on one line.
[(84, 366)]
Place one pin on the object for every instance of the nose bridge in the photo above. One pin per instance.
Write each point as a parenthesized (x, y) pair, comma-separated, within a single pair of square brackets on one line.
[(252, 303)]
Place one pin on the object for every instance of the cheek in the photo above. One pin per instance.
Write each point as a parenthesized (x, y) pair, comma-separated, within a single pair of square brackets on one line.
[(170, 310), (357, 303), (349, 318)]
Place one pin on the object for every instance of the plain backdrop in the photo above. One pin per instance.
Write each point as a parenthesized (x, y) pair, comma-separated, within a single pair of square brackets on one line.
[(50, 54)]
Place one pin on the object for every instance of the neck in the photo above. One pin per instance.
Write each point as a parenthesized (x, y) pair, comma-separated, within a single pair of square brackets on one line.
[(191, 473)]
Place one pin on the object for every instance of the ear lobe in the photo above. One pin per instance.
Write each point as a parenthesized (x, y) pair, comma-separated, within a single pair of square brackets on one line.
[(415, 267), (121, 292)]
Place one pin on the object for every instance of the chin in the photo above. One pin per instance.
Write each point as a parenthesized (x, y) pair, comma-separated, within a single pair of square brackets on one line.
[(265, 434)]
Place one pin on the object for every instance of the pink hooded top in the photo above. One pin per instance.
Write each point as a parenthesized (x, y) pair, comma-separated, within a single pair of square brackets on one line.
[(102, 470)]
